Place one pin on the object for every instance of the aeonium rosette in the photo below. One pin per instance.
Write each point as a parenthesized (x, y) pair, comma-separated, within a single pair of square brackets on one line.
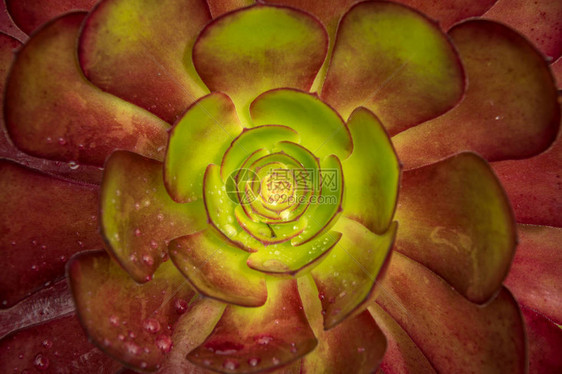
[(250, 202)]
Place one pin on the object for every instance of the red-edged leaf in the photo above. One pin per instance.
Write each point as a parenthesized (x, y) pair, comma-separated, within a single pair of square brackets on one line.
[(539, 20), (456, 220), (357, 345), (56, 346), (534, 186), (545, 343), (53, 112), (217, 268), (454, 334), (450, 12), (402, 354), (535, 278), (140, 51), (403, 68), (510, 86), (257, 339), (43, 221), (30, 14), (347, 277), (131, 322), (8, 26), (288, 52), (219, 7), (138, 217)]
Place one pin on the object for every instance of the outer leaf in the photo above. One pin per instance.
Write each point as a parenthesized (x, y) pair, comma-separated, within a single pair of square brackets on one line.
[(139, 217), (198, 139), (347, 277), (140, 50), (535, 277), (30, 14), (372, 173), (479, 339), (53, 347), (257, 339), (357, 345), (456, 220), (308, 116), (130, 322), (404, 69), (450, 12), (78, 122), (34, 246), (402, 354), (533, 186), (545, 342), (255, 49), (219, 7), (8, 26), (510, 87), (218, 269), (537, 20)]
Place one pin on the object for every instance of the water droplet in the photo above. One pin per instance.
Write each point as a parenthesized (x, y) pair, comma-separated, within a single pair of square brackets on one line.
[(73, 165), (321, 296), (137, 232), (361, 349), (114, 320), (160, 217), (153, 244), (254, 361), (34, 267), (151, 325), (181, 306), (132, 348), (263, 339), (62, 141), (47, 343), (230, 364), (121, 337), (275, 361), (132, 334), (164, 343), (41, 362), (143, 365), (147, 259)]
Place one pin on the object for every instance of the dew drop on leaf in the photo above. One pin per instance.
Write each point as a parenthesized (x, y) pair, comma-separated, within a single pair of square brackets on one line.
[(151, 325), (41, 362), (164, 343)]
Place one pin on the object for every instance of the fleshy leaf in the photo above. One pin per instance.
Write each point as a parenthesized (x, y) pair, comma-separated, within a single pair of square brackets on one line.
[(510, 87), (545, 342), (128, 321), (403, 68), (53, 112), (8, 26), (219, 7), (372, 173), (323, 213), (251, 140), (456, 220), (140, 51), (30, 14), (190, 331), (402, 354), (269, 234), (347, 277), (450, 12), (538, 20), (53, 347), (200, 138), (285, 258), (44, 220), (220, 211), (479, 339), (357, 345), (535, 277), (321, 129), (533, 186), (218, 269), (138, 217), (255, 49), (256, 339)]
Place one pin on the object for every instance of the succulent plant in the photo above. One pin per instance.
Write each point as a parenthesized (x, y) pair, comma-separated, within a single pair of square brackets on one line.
[(285, 186)]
